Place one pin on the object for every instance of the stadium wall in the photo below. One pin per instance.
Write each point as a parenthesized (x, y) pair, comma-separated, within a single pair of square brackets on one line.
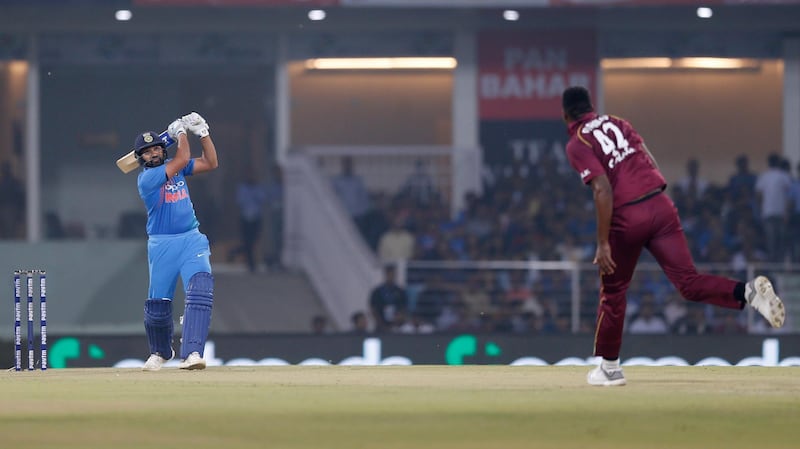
[(442, 349)]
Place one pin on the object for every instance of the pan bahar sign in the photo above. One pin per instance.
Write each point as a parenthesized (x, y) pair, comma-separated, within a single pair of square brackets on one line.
[(521, 75)]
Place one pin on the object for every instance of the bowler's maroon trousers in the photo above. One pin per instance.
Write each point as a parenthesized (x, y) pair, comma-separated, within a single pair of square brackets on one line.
[(643, 217)]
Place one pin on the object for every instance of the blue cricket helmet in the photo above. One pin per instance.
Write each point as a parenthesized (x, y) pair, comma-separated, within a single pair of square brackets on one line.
[(146, 140)]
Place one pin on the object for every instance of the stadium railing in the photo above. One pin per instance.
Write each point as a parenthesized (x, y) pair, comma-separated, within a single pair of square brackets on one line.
[(574, 286)]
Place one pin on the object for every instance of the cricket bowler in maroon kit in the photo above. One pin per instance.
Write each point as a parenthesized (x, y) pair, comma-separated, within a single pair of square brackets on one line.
[(634, 213)]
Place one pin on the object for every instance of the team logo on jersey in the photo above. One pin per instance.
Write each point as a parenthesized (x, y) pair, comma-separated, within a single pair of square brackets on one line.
[(174, 187), (585, 173), (175, 191)]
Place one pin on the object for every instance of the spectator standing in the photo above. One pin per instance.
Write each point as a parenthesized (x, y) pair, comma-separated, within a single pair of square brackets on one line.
[(350, 189), (387, 301), (250, 197), (743, 181), (419, 186), (773, 188)]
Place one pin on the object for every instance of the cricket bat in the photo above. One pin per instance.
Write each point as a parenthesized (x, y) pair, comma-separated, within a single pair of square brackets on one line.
[(128, 163)]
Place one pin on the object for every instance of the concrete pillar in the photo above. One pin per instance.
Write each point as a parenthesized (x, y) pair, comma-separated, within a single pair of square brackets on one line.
[(465, 91), (283, 97), (467, 158), (791, 100), (33, 149)]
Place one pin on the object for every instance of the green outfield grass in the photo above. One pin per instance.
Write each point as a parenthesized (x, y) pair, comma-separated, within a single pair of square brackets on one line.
[(464, 407)]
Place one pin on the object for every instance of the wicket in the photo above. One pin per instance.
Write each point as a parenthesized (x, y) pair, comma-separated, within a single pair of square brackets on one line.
[(29, 275)]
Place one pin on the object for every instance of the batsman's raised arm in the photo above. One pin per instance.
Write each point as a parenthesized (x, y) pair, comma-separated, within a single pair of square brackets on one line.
[(199, 127), (208, 160), (177, 131)]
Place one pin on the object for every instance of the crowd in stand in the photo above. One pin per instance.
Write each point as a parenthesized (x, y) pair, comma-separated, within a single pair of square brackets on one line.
[(540, 212)]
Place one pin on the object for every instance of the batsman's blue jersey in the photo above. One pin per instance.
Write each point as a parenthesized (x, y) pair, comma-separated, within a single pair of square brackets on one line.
[(169, 208), (175, 245)]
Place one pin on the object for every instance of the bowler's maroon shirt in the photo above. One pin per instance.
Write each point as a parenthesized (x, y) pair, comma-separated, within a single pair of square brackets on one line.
[(608, 145)]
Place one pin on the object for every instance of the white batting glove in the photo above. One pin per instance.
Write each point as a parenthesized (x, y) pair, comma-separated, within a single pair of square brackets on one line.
[(196, 124), (193, 119), (175, 128), (199, 130)]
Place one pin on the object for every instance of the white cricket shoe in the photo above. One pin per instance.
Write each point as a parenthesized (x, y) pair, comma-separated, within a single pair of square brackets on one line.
[(605, 378), (193, 361), (761, 296), (155, 362)]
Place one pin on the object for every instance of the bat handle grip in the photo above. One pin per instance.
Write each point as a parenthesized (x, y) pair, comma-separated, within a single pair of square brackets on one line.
[(168, 141)]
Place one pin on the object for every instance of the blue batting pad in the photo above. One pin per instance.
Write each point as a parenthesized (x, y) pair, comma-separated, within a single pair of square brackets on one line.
[(158, 325), (197, 315)]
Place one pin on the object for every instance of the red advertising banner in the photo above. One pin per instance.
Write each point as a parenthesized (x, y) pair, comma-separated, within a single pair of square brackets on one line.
[(522, 75), (236, 2)]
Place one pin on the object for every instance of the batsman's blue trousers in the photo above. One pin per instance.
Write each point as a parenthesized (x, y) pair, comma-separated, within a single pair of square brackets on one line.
[(176, 254)]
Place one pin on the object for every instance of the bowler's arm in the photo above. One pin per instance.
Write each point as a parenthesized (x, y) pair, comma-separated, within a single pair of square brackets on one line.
[(604, 205)]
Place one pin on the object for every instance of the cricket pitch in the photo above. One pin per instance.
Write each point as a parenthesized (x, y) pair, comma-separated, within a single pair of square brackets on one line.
[(449, 407)]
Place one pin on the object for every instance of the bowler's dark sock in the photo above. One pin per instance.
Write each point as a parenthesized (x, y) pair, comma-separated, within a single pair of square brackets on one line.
[(738, 293)]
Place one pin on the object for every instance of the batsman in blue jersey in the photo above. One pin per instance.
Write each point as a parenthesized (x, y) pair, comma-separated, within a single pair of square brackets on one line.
[(175, 244)]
